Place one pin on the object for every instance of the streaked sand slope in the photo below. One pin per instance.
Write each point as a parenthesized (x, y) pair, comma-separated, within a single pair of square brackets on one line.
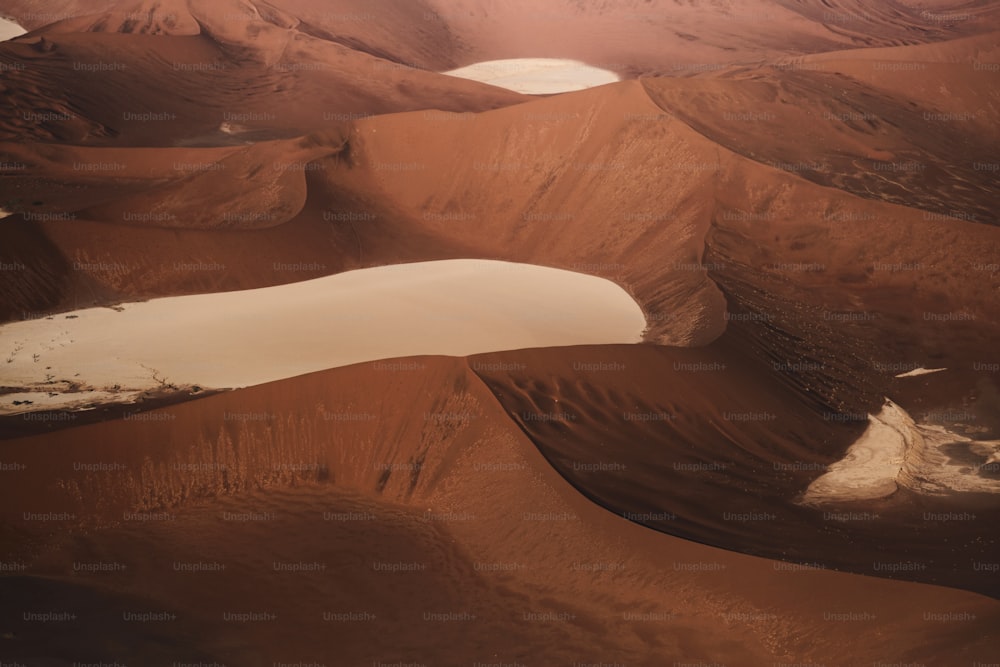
[(715, 445), (267, 80), (914, 125), (460, 491)]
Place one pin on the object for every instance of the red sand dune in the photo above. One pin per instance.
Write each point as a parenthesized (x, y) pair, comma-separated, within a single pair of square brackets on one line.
[(245, 479), (777, 191), (259, 75)]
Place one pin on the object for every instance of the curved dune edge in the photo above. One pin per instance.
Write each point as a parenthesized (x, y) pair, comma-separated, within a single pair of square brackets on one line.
[(897, 451), (388, 181), (461, 491)]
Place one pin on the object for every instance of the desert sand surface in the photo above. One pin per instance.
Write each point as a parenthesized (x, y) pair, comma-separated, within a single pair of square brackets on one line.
[(796, 464)]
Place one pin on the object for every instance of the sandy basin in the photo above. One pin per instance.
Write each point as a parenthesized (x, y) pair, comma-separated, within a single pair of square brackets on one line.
[(235, 339)]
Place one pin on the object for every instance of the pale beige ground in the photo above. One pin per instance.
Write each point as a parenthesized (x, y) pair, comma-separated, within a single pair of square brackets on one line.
[(238, 339)]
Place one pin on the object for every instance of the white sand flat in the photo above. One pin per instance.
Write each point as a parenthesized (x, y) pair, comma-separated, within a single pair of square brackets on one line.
[(537, 76), (10, 29), (237, 339)]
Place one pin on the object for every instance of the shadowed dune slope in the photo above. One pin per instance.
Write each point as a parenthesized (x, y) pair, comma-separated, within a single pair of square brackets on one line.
[(680, 38), (964, 67), (217, 87), (714, 445), (352, 483), (382, 188), (871, 122), (628, 36)]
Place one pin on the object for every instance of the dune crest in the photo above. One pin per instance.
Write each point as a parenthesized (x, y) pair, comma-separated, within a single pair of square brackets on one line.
[(460, 496)]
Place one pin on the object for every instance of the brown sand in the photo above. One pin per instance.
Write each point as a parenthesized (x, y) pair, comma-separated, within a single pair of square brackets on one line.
[(324, 470), (808, 216)]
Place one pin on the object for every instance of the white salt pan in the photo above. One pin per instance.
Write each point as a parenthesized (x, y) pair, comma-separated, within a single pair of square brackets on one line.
[(537, 76), (235, 339)]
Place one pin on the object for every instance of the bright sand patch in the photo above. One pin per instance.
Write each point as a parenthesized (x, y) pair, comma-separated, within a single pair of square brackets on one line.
[(917, 372), (537, 76), (236, 339), (9, 29), (897, 451), (872, 464)]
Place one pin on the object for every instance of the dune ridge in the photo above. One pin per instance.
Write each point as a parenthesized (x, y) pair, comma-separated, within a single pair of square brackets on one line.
[(463, 459), (798, 195)]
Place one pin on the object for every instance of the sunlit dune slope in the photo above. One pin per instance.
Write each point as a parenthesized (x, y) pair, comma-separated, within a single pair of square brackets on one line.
[(216, 87), (460, 490)]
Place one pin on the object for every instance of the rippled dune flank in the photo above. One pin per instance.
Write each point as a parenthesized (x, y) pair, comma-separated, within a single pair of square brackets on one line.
[(445, 332)]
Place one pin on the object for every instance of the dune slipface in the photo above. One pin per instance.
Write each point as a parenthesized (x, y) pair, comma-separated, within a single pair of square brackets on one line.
[(340, 352), (322, 486)]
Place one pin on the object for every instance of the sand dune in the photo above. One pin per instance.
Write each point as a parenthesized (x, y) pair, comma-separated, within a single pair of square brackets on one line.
[(462, 499), (799, 196), (10, 29), (891, 143), (680, 39), (258, 81), (631, 35), (715, 445), (536, 76)]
